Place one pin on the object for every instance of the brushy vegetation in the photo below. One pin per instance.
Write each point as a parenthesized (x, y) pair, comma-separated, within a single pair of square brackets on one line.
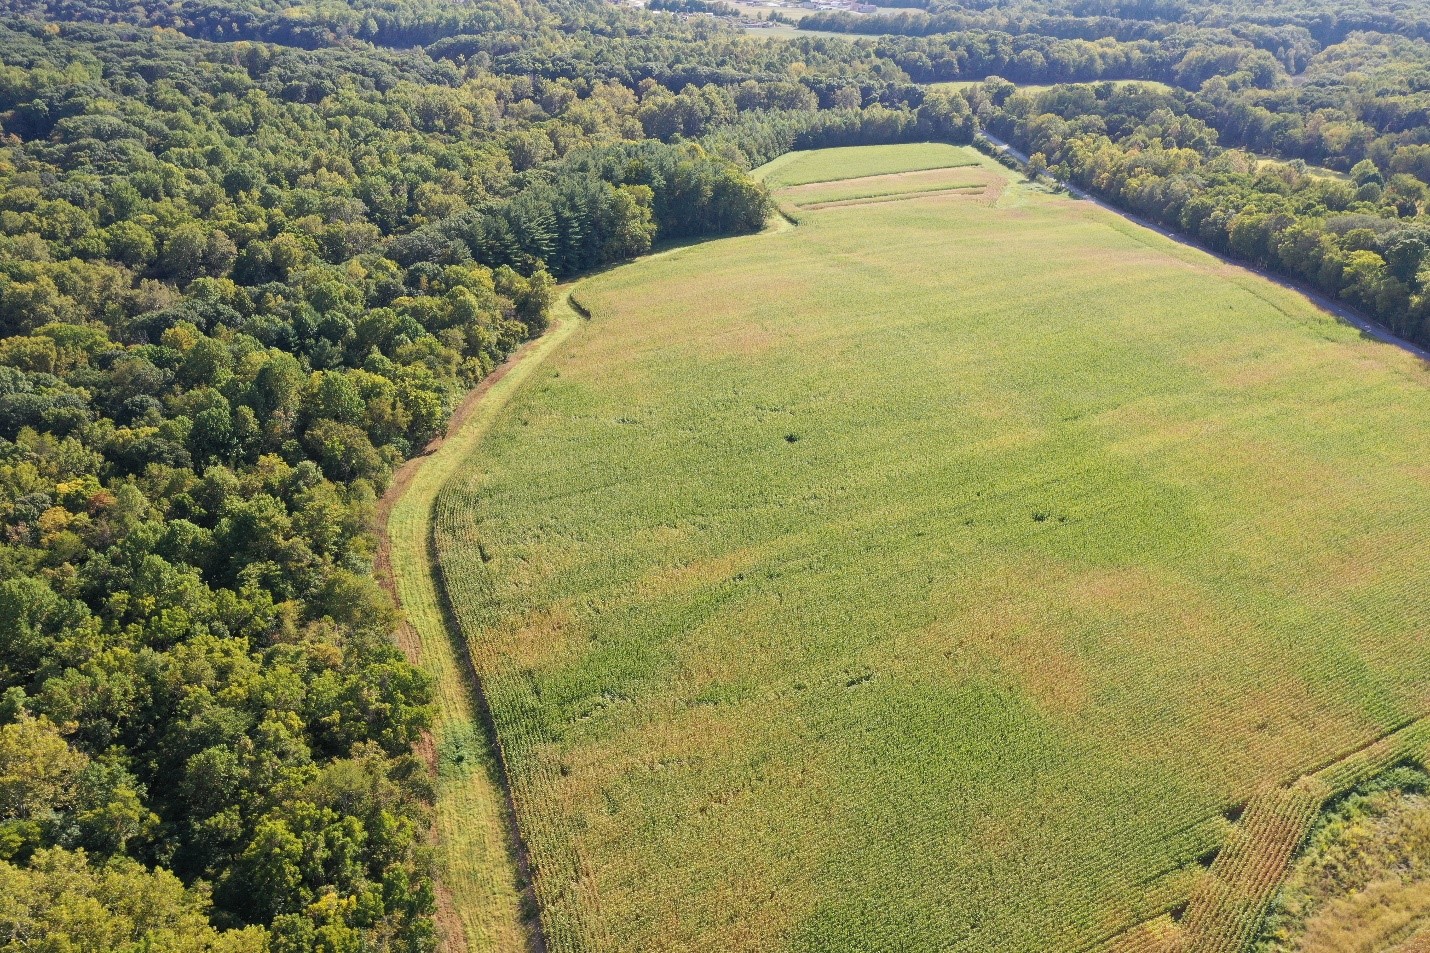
[(815, 616), (1362, 883)]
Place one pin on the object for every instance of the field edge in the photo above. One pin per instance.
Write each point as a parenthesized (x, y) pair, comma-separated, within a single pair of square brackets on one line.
[(482, 883)]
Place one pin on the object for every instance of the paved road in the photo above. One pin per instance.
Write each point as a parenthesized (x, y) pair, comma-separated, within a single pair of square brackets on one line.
[(1357, 320)]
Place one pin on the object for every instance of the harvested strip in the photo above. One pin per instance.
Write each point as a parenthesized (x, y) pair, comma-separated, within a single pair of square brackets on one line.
[(914, 176), (932, 168), (971, 189), (887, 185)]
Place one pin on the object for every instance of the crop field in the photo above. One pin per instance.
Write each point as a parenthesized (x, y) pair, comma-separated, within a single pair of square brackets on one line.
[(947, 572), (825, 166), (974, 179)]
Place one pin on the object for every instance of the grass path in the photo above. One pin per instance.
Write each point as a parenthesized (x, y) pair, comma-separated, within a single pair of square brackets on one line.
[(485, 901), (482, 903)]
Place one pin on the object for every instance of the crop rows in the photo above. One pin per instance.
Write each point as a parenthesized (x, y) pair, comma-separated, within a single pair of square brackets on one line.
[(1226, 911), (815, 617)]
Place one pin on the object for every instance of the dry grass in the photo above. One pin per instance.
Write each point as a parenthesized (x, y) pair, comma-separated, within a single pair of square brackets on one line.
[(1362, 884)]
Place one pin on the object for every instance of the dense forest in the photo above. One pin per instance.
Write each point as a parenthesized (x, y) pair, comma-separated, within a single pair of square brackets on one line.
[(251, 255)]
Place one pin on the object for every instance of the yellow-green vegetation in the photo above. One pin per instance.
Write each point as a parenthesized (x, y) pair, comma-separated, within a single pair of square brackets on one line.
[(939, 574), (855, 162), (474, 842), (1362, 884), (890, 185), (1316, 171), (58, 901)]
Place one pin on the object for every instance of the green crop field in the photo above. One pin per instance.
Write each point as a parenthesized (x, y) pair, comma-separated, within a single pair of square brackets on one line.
[(854, 162), (944, 573)]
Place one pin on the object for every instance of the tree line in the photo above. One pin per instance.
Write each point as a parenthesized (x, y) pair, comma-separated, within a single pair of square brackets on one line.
[(238, 285)]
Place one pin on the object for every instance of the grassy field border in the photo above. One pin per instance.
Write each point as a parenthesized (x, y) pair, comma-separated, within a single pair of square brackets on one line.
[(484, 892)]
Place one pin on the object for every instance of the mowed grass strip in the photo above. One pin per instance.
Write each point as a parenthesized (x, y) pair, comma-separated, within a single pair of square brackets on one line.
[(932, 576), (853, 162), (970, 188), (882, 186), (474, 845)]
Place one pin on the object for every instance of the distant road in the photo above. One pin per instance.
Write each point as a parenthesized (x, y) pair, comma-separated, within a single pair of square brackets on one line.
[(1364, 324)]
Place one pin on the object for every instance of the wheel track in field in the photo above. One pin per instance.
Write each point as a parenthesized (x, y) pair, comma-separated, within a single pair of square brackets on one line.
[(1226, 908)]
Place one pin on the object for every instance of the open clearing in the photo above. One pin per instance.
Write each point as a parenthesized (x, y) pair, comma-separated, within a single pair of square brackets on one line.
[(824, 166), (941, 574)]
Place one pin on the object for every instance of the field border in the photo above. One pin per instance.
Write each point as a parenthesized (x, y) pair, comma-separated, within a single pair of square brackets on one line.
[(495, 906), (1226, 911), (876, 175), (1343, 312), (490, 905), (1228, 904)]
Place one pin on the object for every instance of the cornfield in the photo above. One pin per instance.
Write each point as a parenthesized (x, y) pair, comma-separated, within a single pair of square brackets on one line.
[(952, 572)]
